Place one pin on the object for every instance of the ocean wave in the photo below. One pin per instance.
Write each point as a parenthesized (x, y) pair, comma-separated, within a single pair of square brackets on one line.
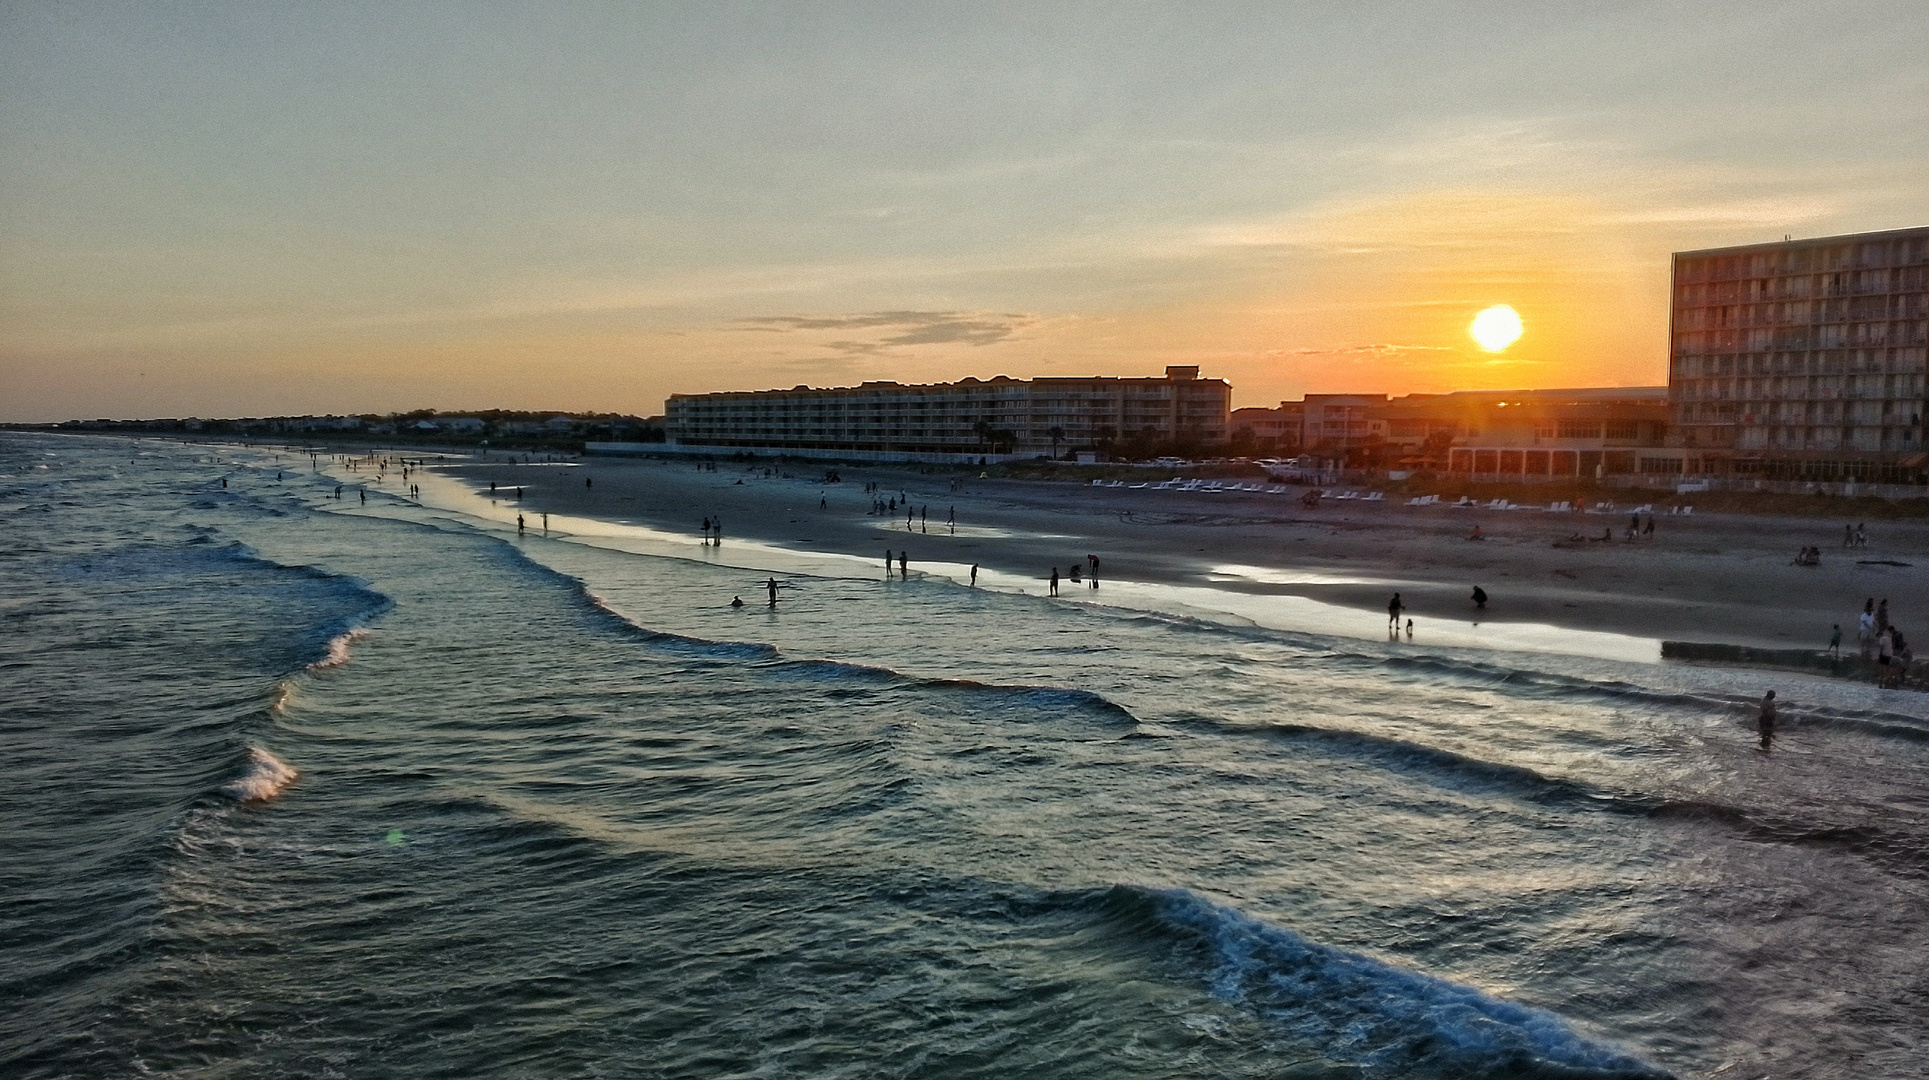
[(772, 660), (264, 778), (336, 652), (1382, 1018)]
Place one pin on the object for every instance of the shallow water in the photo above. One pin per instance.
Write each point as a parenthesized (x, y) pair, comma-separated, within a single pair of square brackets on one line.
[(301, 787)]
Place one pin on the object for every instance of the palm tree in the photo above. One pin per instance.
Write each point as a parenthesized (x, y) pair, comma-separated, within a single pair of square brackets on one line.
[(982, 429), (1056, 433)]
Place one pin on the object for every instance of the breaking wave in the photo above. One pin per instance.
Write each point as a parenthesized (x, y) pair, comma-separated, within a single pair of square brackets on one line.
[(265, 777)]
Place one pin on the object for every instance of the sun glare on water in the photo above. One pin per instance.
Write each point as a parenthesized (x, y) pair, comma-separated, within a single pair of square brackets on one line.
[(1497, 327)]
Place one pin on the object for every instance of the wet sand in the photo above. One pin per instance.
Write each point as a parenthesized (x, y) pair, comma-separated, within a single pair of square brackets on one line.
[(1704, 578)]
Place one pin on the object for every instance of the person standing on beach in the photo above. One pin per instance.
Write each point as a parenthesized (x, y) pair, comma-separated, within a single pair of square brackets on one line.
[(1393, 609), (1848, 535), (1765, 724), (518, 524), (1835, 643), (1054, 591), (1480, 598), (904, 565), (974, 575), (887, 562)]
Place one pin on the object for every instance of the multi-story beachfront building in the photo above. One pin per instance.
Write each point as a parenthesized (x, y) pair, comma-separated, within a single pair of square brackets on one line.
[(1000, 416), (1803, 360), (1498, 433)]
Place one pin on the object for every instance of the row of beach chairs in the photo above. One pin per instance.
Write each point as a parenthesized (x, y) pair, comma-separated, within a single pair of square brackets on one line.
[(1464, 502)]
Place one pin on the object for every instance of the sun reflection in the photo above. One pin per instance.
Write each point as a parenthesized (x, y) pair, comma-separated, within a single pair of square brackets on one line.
[(1496, 328)]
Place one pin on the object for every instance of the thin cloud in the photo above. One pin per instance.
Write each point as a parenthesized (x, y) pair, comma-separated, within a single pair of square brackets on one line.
[(1372, 350), (906, 328)]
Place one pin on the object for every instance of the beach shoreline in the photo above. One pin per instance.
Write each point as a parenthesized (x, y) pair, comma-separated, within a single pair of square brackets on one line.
[(1710, 578)]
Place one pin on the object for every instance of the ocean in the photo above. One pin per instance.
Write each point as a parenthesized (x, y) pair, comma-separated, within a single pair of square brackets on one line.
[(302, 787)]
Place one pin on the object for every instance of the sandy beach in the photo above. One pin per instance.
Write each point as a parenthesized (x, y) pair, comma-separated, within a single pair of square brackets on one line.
[(1705, 578)]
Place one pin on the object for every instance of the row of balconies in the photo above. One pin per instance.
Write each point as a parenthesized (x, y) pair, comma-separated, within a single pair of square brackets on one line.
[(1897, 308)]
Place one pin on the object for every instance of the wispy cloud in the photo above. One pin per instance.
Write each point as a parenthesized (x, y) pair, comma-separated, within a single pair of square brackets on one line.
[(1371, 350), (901, 328)]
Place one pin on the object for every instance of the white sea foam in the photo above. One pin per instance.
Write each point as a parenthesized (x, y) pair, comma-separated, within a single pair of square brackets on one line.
[(338, 650), (267, 775), (1390, 1019)]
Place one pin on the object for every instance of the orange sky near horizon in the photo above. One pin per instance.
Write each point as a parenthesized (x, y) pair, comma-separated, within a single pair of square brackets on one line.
[(256, 212)]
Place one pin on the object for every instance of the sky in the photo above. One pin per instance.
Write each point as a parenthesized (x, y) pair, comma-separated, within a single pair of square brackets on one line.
[(258, 209)]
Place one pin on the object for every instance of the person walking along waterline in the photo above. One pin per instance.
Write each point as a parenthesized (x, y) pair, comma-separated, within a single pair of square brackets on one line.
[(974, 575), (1054, 591), (1393, 609), (1765, 724)]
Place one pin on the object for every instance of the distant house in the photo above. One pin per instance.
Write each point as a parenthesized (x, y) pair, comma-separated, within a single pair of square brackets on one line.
[(424, 425), (561, 425), (467, 425)]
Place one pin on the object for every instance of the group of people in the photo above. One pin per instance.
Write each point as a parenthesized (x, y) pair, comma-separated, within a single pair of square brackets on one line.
[(1072, 572), (1883, 642), (713, 532), (1854, 536), (1808, 556)]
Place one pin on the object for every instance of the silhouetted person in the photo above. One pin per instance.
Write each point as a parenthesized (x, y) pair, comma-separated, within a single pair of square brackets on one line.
[(1054, 591), (904, 565), (974, 575), (518, 524), (1765, 724), (772, 586), (736, 601), (1393, 609), (1480, 598)]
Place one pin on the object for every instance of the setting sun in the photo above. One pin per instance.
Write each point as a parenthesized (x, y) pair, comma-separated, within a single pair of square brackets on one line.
[(1496, 328)]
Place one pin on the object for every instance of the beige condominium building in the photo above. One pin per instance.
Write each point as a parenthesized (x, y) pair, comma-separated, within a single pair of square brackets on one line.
[(1803, 360), (969, 418)]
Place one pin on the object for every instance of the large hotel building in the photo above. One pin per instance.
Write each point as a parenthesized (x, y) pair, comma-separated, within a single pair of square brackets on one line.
[(1803, 360), (999, 416)]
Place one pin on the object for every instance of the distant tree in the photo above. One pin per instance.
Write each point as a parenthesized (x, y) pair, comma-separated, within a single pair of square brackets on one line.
[(1057, 434)]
